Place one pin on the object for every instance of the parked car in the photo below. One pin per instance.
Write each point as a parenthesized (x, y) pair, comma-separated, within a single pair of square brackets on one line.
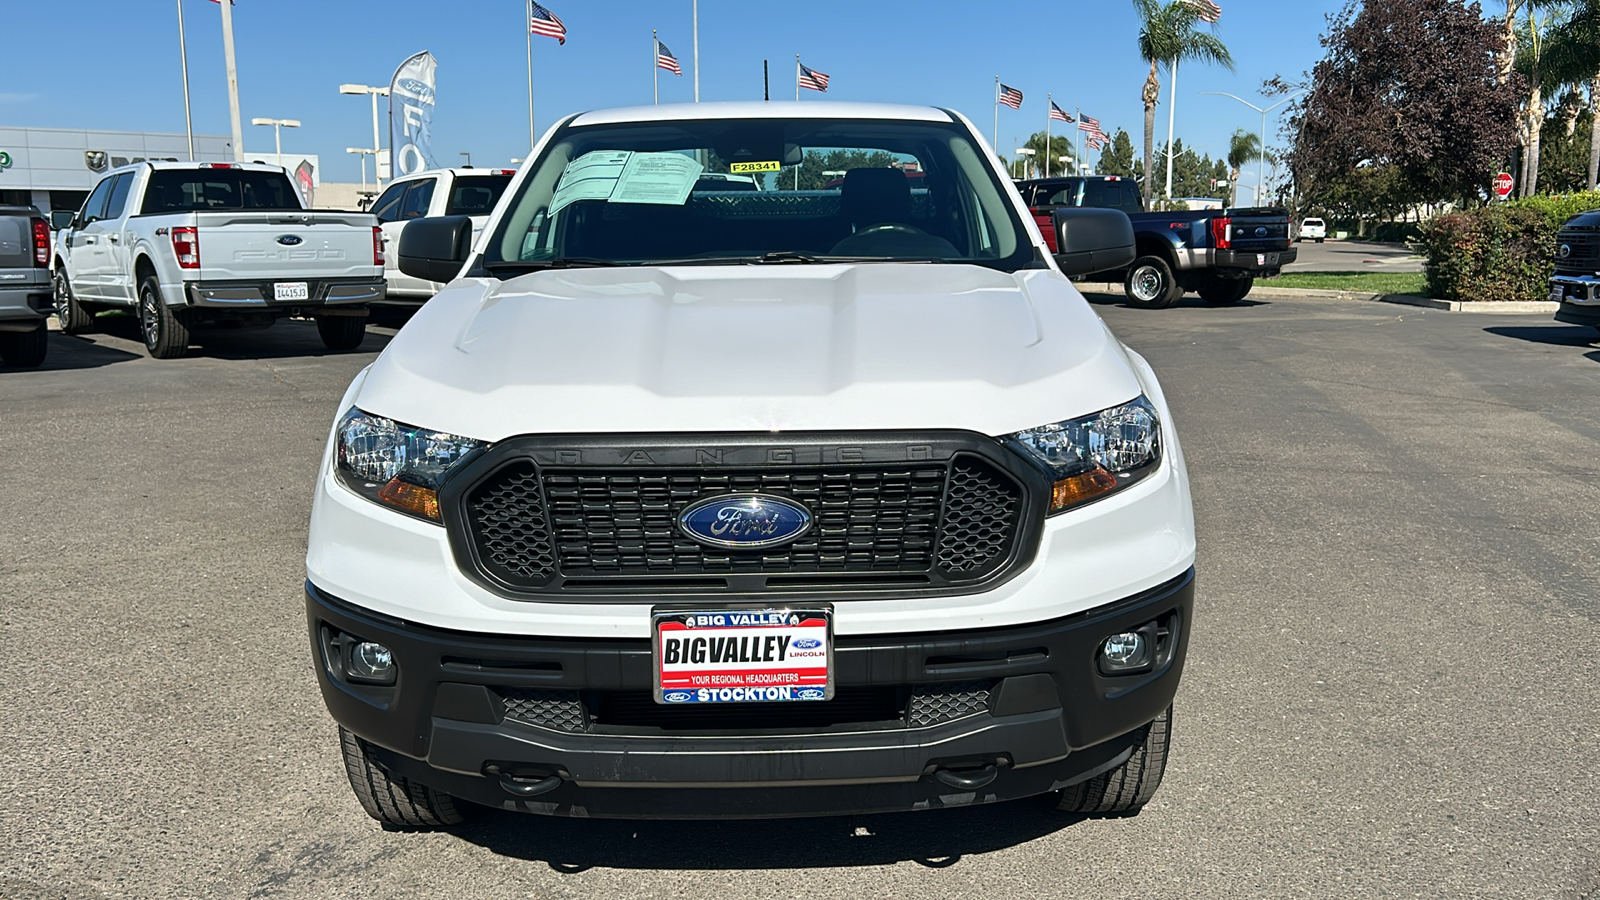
[(214, 245), (1216, 253), (25, 301), (1577, 270), (436, 192), (1312, 230), (680, 503)]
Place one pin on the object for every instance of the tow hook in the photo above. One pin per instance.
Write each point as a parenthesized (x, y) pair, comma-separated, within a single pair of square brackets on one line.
[(967, 779), (524, 787)]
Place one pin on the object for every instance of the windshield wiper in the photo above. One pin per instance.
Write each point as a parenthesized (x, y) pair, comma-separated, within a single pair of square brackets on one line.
[(796, 256), (558, 262)]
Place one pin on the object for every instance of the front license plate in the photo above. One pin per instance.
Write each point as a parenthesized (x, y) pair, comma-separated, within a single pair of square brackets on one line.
[(742, 656), (291, 290)]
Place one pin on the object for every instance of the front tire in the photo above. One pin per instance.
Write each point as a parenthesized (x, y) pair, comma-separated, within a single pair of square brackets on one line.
[(24, 349), (73, 317), (1127, 788), (166, 334), (390, 798), (341, 333), (1151, 285)]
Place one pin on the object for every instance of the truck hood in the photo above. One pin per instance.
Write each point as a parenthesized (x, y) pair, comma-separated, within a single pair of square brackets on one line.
[(750, 348)]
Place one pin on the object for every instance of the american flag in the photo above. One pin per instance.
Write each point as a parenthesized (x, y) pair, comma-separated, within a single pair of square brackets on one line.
[(1207, 10), (1091, 127), (1010, 96), (1059, 114), (812, 80), (1095, 144), (665, 59), (543, 21)]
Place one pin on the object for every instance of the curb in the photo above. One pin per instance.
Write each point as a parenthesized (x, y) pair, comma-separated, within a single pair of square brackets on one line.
[(1512, 307)]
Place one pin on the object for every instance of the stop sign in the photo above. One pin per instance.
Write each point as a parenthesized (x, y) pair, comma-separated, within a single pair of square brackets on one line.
[(1503, 184)]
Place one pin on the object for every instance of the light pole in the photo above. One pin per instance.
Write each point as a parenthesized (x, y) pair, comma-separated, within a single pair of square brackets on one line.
[(376, 92), (183, 57), (277, 133), (1066, 163), (363, 151), (1261, 170), (233, 81), (468, 155), (1025, 152)]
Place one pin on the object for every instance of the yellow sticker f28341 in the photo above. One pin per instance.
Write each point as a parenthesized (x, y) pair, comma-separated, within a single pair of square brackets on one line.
[(748, 167)]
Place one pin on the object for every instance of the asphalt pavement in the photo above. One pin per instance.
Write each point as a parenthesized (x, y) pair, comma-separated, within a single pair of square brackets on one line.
[(1354, 256), (1391, 685)]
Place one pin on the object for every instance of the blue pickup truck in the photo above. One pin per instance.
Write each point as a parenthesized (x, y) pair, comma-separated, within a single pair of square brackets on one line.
[(1217, 254)]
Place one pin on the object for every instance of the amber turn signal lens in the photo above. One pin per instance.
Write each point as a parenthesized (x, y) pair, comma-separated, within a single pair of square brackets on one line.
[(413, 498), (1069, 492)]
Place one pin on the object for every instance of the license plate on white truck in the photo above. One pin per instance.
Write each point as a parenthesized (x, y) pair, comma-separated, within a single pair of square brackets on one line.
[(291, 290), (742, 656)]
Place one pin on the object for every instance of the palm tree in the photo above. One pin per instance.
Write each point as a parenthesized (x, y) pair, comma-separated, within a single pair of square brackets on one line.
[(1168, 35), (1243, 147), (1571, 55)]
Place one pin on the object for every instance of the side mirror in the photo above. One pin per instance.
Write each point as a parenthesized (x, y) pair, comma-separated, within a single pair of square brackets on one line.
[(61, 218), (435, 249), (1092, 240)]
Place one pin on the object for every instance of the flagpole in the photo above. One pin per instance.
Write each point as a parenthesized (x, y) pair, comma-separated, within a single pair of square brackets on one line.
[(1049, 107), (1172, 109), (655, 64), (797, 85), (532, 136), (997, 115), (183, 55), (697, 51), (1077, 142)]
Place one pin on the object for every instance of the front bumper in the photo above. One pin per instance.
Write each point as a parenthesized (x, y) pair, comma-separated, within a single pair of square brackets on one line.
[(1051, 718), (259, 294)]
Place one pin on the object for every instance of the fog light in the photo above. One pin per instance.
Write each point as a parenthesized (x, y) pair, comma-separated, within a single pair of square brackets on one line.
[(1125, 652), (371, 662)]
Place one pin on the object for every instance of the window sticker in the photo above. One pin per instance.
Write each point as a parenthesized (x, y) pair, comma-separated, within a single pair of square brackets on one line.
[(664, 178), (591, 176)]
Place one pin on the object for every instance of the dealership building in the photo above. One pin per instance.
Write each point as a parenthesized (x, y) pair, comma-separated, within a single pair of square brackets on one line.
[(55, 168)]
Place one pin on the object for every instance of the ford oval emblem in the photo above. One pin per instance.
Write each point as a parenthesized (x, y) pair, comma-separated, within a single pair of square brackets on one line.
[(1566, 250), (290, 240), (745, 521), (1261, 232)]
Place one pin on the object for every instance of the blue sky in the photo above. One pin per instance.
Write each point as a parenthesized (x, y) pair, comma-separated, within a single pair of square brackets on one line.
[(114, 65)]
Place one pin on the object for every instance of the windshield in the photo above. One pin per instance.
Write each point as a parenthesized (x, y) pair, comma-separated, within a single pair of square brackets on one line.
[(760, 190), (476, 195)]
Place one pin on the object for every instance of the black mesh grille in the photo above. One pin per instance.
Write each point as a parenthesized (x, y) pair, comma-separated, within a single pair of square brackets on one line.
[(980, 519), (934, 703), (850, 705), (508, 524), (560, 710), (941, 523), (866, 521)]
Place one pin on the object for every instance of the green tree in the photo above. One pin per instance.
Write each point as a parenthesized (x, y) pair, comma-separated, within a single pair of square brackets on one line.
[(1117, 157), (1169, 35), (1572, 56), (1059, 146), (1243, 147), (817, 162)]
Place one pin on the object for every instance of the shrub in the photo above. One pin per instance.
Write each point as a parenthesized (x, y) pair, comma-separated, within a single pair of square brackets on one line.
[(1559, 208), (1503, 252)]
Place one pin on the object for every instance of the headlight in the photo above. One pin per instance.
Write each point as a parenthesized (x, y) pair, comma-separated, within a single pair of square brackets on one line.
[(397, 465), (1096, 455)]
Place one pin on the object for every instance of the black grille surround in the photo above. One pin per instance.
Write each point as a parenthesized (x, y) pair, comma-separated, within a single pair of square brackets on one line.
[(556, 517), (1583, 253)]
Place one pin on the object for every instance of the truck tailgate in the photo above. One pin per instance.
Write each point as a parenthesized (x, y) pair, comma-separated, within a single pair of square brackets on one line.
[(285, 246), (1258, 230)]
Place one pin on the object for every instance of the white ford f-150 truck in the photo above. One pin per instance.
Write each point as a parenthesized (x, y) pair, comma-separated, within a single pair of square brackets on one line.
[(214, 245), (688, 500)]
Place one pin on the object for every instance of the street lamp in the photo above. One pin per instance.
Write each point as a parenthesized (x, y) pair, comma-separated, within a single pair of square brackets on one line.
[(363, 151), (1261, 169), (277, 132), (1025, 151), (376, 92), (468, 155)]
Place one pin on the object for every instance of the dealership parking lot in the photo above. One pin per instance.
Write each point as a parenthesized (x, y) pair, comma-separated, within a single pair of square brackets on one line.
[(1391, 687)]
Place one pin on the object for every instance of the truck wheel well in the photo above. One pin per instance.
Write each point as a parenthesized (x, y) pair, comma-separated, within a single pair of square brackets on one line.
[(1152, 247), (142, 268)]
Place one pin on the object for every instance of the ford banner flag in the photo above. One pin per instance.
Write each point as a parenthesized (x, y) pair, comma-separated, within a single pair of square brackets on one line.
[(411, 114)]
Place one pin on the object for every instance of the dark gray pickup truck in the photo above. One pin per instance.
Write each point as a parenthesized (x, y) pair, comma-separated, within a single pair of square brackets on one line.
[(1217, 254), (25, 298)]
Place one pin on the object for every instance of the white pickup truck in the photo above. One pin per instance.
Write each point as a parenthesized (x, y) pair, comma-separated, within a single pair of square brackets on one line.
[(684, 499), (436, 192), (213, 245)]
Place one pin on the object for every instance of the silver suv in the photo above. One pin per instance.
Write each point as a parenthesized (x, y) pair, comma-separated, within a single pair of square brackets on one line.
[(25, 297)]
